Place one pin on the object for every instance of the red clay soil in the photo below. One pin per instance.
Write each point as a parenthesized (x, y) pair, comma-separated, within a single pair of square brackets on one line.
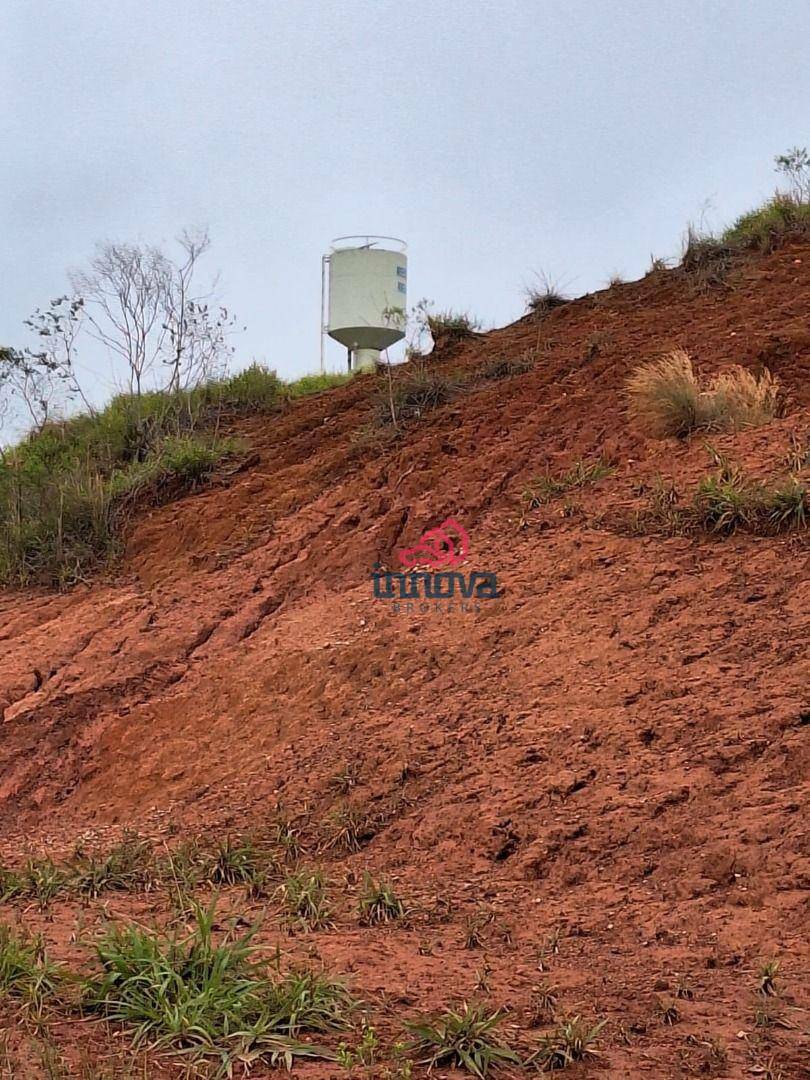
[(612, 756)]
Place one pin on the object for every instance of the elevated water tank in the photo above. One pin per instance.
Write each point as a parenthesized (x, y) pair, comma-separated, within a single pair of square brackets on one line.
[(368, 278)]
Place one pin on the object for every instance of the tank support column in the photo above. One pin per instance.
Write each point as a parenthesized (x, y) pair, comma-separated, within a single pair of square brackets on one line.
[(366, 359)]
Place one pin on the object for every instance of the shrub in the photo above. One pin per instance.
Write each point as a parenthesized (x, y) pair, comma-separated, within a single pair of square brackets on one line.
[(254, 389), (210, 1000), (781, 218), (465, 1039), (665, 397)]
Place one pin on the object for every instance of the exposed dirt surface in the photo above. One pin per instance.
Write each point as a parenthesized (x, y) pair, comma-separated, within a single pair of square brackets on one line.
[(607, 766)]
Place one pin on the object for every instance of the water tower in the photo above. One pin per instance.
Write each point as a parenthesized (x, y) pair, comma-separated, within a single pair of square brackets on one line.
[(365, 279)]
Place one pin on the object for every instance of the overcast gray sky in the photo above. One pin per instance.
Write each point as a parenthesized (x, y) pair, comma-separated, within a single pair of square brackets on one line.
[(497, 137)]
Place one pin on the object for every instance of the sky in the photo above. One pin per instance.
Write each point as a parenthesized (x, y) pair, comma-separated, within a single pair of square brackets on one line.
[(501, 139)]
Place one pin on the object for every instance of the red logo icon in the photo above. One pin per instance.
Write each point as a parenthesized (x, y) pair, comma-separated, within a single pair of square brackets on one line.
[(446, 545)]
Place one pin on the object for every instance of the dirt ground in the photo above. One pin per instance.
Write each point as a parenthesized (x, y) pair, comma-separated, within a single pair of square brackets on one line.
[(604, 770)]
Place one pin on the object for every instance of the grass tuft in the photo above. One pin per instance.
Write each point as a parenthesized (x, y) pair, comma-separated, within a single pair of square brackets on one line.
[(767, 978), (236, 862), (505, 368), (306, 896), (351, 828), (26, 974), (545, 488), (464, 1039), (379, 903), (544, 297), (705, 260), (571, 1041), (788, 506)]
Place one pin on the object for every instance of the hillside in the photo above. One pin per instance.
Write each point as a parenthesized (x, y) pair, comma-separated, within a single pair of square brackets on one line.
[(603, 773)]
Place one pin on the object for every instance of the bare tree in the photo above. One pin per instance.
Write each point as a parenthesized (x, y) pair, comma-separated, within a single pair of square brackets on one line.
[(144, 308), (198, 329), (124, 293)]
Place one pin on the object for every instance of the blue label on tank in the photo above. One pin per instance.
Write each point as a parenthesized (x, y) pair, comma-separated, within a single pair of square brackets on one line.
[(401, 271), (401, 286)]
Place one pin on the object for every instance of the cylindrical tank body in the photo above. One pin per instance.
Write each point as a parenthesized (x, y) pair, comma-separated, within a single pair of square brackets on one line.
[(368, 295)]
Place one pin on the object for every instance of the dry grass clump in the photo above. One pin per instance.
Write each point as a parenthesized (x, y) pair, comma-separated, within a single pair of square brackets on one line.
[(450, 326), (411, 394), (705, 259), (544, 298), (745, 399), (505, 368), (666, 397)]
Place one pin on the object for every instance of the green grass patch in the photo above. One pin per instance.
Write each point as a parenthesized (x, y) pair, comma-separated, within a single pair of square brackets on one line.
[(781, 218), (64, 491), (315, 384), (211, 1000), (550, 486), (67, 491), (707, 259), (724, 502)]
